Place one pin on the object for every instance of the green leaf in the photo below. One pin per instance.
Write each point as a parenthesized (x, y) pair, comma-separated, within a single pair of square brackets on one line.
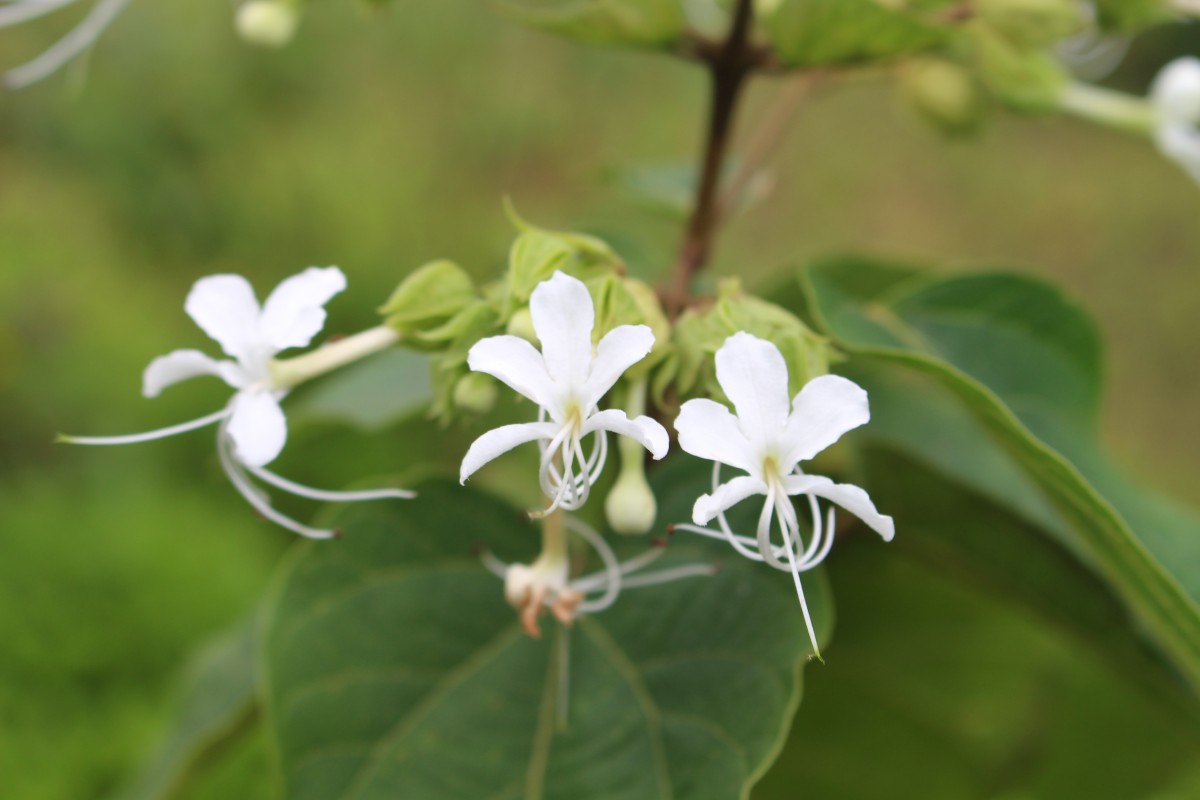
[(395, 668), (430, 294), (958, 690), (218, 698), (370, 395), (814, 33), (647, 23), (988, 339)]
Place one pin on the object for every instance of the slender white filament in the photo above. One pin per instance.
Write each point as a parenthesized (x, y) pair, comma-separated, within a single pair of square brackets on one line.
[(81, 37), (326, 495), (612, 567), (150, 436), (256, 498), (19, 12), (669, 575)]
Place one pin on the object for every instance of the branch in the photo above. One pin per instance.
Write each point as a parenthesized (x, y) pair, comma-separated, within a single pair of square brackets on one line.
[(728, 67)]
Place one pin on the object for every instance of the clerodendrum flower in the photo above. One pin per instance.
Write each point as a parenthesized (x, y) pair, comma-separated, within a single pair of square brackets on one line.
[(251, 429), (1176, 99), (567, 380), (768, 442)]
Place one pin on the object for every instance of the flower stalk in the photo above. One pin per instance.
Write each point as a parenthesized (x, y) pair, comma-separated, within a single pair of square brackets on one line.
[(291, 372), (1107, 107)]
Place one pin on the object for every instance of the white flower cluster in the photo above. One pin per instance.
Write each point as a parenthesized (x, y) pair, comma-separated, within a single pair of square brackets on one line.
[(568, 379)]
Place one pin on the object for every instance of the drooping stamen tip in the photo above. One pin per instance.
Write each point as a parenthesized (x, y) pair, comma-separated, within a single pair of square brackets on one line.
[(659, 542), (336, 533), (816, 656), (334, 337), (671, 529), (62, 438), (716, 567)]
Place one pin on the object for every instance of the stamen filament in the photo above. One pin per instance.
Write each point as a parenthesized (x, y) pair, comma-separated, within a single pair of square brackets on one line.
[(68, 47), (328, 495), (20, 12), (148, 436)]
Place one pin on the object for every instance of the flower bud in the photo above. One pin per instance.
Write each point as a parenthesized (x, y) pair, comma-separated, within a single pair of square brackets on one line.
[(428, 296), (944, 94), (518, 584), (521, 324), (1032, 23), (475, 393), (270, 23), (630, 506)]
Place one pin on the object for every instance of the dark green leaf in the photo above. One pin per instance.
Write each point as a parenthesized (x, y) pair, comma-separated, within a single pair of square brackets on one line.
[(370, 395), (1025, 363), (397, 670)]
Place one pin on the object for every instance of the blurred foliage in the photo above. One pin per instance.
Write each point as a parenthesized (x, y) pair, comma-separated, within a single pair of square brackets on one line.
[(382, 141)]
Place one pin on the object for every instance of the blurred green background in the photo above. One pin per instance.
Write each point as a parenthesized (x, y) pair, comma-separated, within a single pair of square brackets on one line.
[(377, 142)]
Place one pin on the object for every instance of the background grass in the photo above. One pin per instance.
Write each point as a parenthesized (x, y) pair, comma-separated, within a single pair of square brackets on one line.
[(378, 142)]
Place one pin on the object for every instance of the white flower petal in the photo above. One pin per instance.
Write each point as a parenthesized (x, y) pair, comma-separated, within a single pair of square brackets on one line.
[(1176, 91), (180, 365), (563, 318), (620, 349), (823, 410), (294, 313), (725, 496), (846, 495), (517, 363), (709, 430), (257, 427), (500, 440), (753, 375), (224, 306), (644, 430)]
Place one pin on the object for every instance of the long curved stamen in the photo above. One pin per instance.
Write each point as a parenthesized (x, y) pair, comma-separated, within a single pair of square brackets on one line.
[(668, 575), (81, 37), (818, 530), (325, 494), (149, 436), (256, 498), (740, 543), (612, 567), (548, 477), (765, 548), (812, 634), (493, 564), (826, 547), (595, 580), (30, 9)]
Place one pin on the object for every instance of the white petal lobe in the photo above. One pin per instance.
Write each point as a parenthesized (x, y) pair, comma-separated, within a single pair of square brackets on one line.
[(649, 433), (180, 365), (620, 349), (753, 375), (563, 318), (725, 496), (846, 495), (514, 361), (295, 313), (824, 409), (224, 306), (709, 430), (257, 427), (500, 440)]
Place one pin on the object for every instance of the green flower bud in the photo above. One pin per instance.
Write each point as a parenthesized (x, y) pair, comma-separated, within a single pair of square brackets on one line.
[(1031, 24), (429, 295), (521, 324), (270, 23), (944, 93), (630, 506), (1025, 80), (475, 393)]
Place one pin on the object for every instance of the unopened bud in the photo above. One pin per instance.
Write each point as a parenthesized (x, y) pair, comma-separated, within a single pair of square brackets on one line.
[(630, 506), (1032, 23), (270, 23), (944, 94), (475, 393), (521, 324)]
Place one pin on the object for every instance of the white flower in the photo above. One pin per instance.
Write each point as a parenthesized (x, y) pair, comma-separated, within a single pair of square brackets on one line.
[(768, 442), (70, 46), (1175, 95), (252, 428), (566, 379)]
